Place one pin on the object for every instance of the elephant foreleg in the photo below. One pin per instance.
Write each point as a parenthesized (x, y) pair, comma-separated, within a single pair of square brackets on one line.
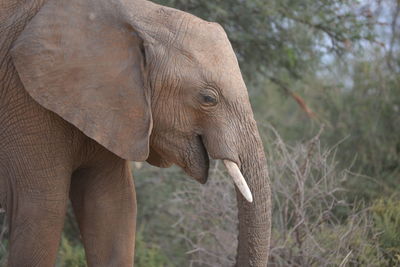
[(104, 202), (36, 206)]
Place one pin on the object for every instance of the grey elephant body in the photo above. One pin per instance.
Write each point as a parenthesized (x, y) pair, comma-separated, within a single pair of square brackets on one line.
[(48, 157), (44, 160)]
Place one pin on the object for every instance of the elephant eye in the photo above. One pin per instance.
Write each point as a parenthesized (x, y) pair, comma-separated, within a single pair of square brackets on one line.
[(209, 98)]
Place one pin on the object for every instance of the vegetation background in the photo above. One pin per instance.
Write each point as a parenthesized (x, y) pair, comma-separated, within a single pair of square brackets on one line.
[(323, 78)]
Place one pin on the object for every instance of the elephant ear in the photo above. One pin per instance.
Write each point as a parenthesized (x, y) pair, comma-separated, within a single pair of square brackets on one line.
[(78, 59)]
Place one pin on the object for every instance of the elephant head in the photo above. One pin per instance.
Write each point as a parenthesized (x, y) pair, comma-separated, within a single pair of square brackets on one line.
[(151, 83)]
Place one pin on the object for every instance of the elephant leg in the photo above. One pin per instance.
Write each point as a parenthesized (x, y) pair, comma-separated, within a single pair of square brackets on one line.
[(104, 201), (36, 206)]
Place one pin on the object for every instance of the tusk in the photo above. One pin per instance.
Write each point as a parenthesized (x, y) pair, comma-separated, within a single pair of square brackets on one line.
[(239, 180)]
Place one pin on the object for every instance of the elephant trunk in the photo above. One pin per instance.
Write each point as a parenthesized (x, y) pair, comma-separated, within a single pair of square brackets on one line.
[(255, 217)]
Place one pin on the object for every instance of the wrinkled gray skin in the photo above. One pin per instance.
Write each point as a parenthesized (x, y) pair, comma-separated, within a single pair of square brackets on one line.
[(198, 107)]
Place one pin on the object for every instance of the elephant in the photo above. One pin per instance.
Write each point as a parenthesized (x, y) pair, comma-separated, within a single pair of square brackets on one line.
[(88, 86)]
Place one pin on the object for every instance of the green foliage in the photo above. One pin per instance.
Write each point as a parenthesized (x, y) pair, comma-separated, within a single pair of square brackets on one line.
[(386, 215), (3, 251), (70, 254), (361, 113), (148, 255), (3, 239), (357, 246), (347, 244), (154, 189)]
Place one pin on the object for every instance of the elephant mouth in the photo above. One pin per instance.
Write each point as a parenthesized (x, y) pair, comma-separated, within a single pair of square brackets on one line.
[(191, 155), (196, 161)]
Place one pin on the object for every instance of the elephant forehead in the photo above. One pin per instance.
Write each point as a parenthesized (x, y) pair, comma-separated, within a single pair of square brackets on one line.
[(209, 47), (220, 61), (205, 39), (213, 50)]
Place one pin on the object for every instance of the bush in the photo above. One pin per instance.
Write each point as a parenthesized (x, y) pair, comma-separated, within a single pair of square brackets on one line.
[(307, 193)]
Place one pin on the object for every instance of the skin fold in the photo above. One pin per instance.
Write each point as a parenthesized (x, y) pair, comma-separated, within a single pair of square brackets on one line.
[(87, 85)]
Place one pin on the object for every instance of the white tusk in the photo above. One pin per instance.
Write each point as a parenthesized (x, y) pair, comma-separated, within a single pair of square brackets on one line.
[(239, 180)]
